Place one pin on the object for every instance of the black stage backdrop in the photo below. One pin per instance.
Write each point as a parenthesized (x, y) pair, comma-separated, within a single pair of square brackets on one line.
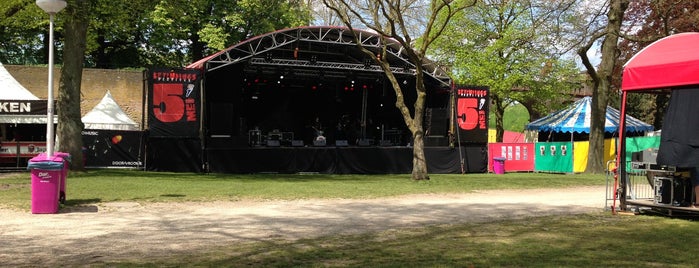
[(113, 148), (679, 141), (174, 154)]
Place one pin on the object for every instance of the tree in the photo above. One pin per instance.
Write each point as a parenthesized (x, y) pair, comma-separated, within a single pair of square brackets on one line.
[(515, 48), (397, 20), (645, 22), (182, 31), (70, 126), (22, 30), (116, 33), (602, 79)]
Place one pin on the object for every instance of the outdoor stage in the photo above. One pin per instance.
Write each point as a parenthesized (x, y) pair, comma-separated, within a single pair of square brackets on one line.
[(244, 110)]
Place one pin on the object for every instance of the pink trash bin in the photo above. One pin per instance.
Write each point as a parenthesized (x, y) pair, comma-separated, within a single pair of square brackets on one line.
[(64, 174), (46, 183), (499, 165)]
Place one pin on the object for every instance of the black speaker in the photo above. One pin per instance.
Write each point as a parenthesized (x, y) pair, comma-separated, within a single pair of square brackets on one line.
[(296, 143), (273, 143), (365, 142), (341, 143), (385, 143), (437, 120)]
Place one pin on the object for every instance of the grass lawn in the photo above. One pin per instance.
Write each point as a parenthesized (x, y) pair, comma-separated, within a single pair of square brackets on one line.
[(589, 240), (127, 185)]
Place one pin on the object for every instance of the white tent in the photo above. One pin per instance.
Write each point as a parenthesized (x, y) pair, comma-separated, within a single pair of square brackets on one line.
[(19, 96), (10, 89), (108, 115)]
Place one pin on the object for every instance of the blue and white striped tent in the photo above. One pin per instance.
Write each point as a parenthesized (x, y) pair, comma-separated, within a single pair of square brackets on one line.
[(576, 118)]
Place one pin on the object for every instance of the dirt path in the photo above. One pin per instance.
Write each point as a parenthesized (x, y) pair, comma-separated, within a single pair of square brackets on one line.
[(112, 231)]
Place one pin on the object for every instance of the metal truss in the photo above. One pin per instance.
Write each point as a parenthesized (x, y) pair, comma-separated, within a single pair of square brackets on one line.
[(329, 65), (261, 45)]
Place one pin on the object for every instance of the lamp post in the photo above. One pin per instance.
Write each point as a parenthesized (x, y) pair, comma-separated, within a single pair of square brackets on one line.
[(51, 7)]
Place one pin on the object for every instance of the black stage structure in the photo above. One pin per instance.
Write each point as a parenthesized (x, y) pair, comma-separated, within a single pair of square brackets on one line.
[(308, 100)]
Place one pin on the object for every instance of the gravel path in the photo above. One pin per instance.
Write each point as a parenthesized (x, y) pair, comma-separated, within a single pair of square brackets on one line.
[(112, 231)]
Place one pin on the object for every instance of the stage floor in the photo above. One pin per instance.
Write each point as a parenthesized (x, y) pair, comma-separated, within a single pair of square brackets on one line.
[(663, 208), (342, 160)]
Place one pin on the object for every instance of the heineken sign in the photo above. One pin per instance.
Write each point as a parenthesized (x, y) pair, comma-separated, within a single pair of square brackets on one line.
[(23, 107)]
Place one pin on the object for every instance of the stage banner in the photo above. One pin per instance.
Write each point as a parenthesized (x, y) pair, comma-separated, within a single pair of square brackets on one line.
[(174, 103), (472, 105), (112, 148), (518, 156)]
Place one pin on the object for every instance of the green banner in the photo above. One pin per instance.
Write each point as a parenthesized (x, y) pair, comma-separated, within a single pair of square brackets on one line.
[(554, 157), (637, 144)]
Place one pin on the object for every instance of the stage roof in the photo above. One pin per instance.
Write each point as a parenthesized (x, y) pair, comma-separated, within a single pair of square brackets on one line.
[(330, 49), (669, 62)]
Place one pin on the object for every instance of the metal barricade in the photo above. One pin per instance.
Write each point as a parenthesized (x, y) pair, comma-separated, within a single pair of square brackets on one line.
[(638, 186)]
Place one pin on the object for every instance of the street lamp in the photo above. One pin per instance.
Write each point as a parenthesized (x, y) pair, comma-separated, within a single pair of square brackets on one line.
[(51, 7)]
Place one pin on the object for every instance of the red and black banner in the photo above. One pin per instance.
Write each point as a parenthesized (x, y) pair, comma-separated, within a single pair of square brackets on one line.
[(472, 113), (174, 103)]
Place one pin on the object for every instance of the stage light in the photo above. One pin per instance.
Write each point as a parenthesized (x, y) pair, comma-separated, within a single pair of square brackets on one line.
[(268, 57), (314, 59), (281, 77)]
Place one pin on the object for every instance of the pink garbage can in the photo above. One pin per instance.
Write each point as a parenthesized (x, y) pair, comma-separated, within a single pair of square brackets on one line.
[(64, 174), (499, 165), (46, 183)]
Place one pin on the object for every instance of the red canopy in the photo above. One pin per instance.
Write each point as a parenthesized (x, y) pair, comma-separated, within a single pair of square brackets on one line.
[(669, 62)]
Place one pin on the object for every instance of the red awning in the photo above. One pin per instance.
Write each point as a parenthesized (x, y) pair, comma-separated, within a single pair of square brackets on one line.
[(669, 62)]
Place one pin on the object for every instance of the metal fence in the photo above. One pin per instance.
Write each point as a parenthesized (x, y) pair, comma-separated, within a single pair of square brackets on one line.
[(638, 186)]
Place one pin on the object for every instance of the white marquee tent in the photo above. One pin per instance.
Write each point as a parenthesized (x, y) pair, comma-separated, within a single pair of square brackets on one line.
[(108, 115), (10, 89)]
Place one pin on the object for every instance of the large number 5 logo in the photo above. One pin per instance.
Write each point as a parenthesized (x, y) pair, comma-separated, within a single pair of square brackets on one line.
[(168, 105), (467, 113)]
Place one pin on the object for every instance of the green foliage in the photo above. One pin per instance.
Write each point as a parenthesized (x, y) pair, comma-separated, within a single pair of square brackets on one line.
[(23, 25), (515, 119), (144, 33), (509, 47), (201, 27)]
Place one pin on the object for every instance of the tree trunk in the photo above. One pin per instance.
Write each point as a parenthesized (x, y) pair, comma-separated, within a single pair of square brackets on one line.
[(419, 160), (499, 118), (595, 163), (70, 125)]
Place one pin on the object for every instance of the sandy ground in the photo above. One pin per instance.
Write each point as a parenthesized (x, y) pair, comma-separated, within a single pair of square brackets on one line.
[(113, 231)]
